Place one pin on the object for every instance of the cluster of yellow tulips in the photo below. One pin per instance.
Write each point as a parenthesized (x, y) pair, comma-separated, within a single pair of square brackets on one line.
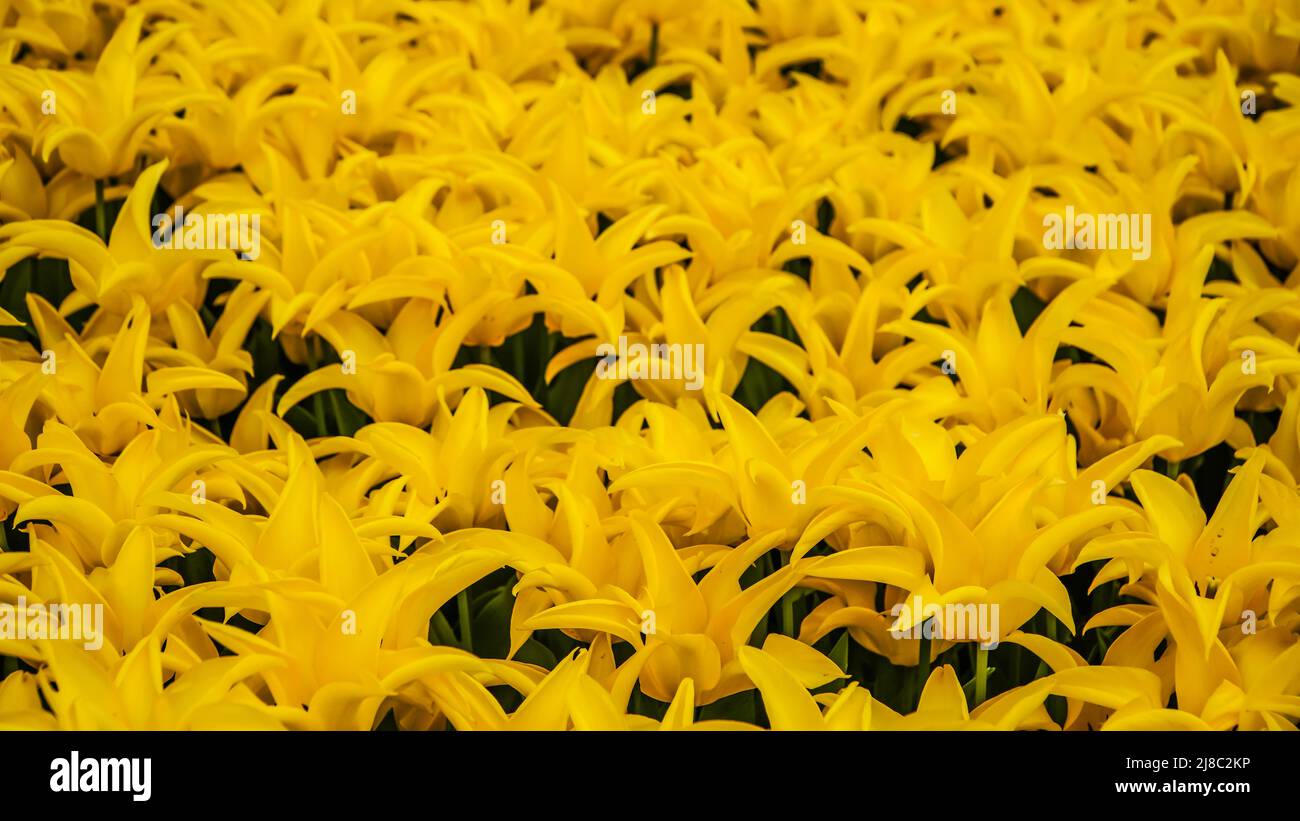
[(346, 375)]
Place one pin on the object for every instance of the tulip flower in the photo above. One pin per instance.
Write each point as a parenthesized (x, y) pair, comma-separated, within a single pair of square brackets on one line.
[(640, 366)]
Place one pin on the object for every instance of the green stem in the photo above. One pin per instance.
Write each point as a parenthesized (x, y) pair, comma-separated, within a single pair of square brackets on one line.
[(1101, 646), (466, 626), (338, 413), (783, 326), (543, 392), (517, 355), (787, 601), (981, 674), (14, 289), (441, 631), (101, 214), (1049, 627), (764, 565), (317, 401)]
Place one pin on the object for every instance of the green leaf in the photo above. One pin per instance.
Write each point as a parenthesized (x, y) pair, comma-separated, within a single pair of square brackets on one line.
[(534, 652), (737, 707), (840, 652)]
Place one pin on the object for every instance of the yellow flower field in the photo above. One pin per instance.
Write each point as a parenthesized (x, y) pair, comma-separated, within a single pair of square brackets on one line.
[(643, 364)]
